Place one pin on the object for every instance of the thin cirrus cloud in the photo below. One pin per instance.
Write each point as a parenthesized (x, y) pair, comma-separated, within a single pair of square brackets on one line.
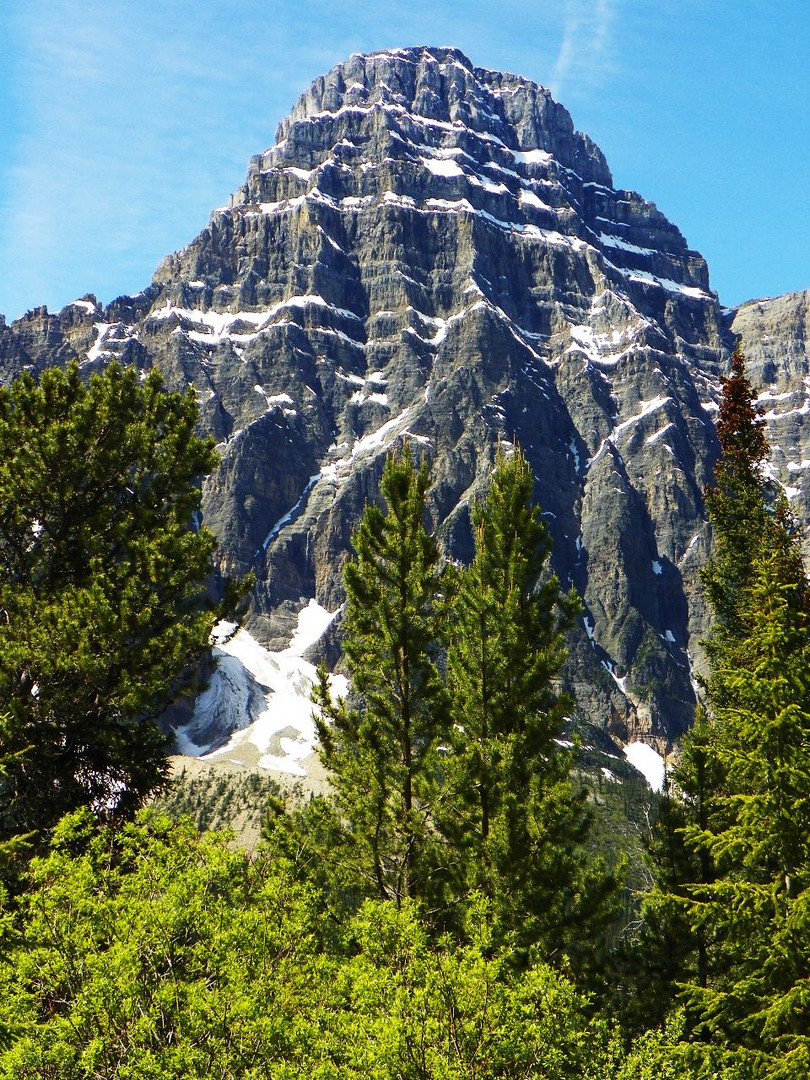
[(585, 54)]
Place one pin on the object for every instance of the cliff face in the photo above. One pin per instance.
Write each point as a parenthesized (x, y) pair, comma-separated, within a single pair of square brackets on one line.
[(431, 252), (775, 337)]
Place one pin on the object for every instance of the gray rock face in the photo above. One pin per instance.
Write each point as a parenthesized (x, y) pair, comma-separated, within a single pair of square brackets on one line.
[(775, 336), (431, 252)]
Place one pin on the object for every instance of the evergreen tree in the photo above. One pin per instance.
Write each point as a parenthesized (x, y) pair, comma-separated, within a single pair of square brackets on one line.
[(740, 506), (756, 913), (382, 748), (511, 816), (13, 848), (741, 876), (670, 950), (103, 608)]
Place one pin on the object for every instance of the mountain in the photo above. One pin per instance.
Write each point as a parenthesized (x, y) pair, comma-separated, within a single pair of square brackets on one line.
[(431, 252), (775, 336)]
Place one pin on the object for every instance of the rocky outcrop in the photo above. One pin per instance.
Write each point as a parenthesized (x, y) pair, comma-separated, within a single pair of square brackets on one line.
[(431, 252), (775, 337)]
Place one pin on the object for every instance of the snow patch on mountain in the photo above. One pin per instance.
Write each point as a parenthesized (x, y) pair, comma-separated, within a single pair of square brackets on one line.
[(257, 708), (648, 762), (442, 166)]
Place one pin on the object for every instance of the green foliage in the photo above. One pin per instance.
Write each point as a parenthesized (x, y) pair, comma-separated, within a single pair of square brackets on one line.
[(674, 951), (153, 952), (739, 503), (622, 810), (460, 1012), (103, 609), (757, 911), (382, 748), (506, 648), (513, 822), (657, 1054), (449, 779), (14, 848), (738, 866), (740, 509)]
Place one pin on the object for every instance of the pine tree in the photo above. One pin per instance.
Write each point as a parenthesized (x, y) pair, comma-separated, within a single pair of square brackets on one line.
[(103, 605), (382, 748), (670, 950), (14, 848), (511, 817), (739, 503), (740, 506), (756, 913), (741, 875)]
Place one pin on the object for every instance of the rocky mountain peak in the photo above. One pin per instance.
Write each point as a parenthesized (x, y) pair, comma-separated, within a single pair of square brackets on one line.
[(438, 96), (431, 252), (422, 130)]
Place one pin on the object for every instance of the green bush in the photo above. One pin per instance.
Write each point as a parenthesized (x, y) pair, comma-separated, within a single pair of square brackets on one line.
[(158, 953)]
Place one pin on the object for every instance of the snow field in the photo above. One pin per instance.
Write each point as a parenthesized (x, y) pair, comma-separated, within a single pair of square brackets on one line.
[(273, 687)]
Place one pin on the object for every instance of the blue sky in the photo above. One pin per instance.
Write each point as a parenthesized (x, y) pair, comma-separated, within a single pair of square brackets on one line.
[(124, 124)]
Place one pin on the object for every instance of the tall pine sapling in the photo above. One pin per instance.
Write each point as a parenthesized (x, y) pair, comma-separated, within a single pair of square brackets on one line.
[(754, 914), (746, 818), (670, 949), (740, 505), (511, 817), (382, 747)]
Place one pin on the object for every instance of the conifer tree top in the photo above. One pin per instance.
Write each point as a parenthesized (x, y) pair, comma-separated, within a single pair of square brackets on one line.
[(739, 428)]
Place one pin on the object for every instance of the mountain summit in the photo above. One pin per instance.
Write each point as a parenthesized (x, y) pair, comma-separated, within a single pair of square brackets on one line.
[(431, 252)]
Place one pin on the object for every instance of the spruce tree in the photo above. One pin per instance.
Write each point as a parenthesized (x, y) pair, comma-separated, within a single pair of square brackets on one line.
[(670, 950), (103, 604), (741, 875), (755, 915), (511, 817), (740, 505), (382, 747)]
